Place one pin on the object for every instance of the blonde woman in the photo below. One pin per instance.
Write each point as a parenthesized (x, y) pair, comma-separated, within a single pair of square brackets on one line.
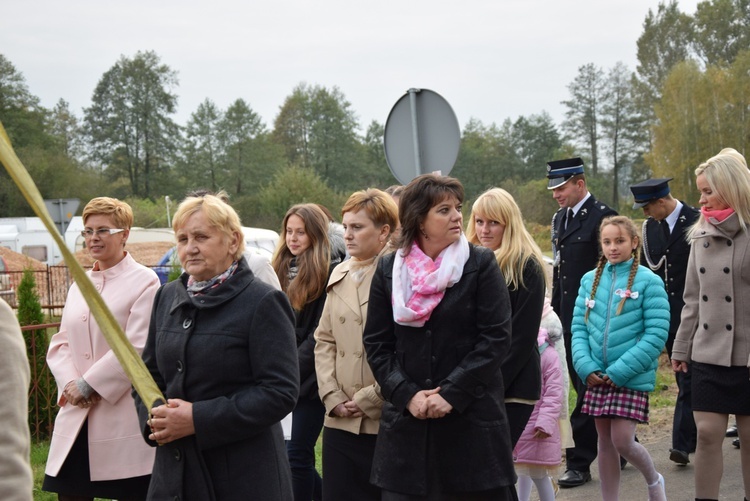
[(496, 223), (714, 333), (221, 348)]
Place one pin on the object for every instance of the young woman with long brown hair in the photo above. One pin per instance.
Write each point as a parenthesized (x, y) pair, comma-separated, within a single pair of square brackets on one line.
[(303, 261)]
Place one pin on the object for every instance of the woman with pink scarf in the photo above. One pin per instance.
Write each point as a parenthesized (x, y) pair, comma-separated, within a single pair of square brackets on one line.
[(438, 328), (714, 333)]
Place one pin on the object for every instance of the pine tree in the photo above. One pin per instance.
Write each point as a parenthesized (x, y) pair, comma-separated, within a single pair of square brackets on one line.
[(42, 391)]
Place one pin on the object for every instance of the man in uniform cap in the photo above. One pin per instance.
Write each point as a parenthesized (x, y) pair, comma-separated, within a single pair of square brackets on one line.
[(575, 245), (666, 251)]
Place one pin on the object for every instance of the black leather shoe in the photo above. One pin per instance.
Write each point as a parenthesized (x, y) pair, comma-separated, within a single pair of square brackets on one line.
[(736, 442), (732, 431), (680, 457), (574, 478)]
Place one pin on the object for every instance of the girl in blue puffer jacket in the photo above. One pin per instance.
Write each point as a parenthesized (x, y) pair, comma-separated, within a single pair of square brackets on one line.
[(620, 325)]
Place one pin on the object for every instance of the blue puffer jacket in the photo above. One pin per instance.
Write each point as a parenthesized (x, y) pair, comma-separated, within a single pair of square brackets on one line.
[(626, 347)]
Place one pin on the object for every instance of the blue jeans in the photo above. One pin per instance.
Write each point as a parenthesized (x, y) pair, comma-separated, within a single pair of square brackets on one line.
[(307, 422)]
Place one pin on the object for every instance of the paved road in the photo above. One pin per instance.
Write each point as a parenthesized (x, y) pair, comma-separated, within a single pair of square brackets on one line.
[(678, 479)]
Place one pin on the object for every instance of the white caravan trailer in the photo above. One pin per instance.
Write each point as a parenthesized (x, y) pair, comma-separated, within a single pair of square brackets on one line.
[(28, 236)]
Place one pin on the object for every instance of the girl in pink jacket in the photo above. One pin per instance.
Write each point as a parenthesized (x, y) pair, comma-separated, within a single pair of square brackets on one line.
[(538, 452)]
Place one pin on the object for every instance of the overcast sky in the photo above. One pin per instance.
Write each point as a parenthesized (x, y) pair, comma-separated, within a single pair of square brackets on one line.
[(490, 59)]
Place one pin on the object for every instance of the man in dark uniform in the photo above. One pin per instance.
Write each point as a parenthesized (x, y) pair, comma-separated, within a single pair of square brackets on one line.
[(575, 245), (666, 251)]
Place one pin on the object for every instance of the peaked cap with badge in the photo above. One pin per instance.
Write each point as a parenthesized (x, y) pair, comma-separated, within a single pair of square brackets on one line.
[(559, 172), (650, 190)]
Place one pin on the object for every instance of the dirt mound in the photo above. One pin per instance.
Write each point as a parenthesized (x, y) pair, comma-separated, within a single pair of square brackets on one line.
[(146, 253)]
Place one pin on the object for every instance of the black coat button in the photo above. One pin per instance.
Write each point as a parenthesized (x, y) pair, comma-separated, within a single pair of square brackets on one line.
[(729, 243), (728, 299), (705, 326), (177, 454), (729, 327), (187, 323), (706, 244), (179, 366), (726, 270), (702, 270), (705, 298), (428, 334), (428, 383)]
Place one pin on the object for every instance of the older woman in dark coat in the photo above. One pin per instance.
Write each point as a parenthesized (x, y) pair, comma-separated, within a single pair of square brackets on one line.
[(438, 327), (221, 347)]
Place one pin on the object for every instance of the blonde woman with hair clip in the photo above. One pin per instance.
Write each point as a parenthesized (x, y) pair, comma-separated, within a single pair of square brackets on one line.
[(620, 325), (496, 223), (713, 341)]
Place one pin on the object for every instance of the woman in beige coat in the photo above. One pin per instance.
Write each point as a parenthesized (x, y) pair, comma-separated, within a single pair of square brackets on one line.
[(346, 385), (16, 482), (714, 333)]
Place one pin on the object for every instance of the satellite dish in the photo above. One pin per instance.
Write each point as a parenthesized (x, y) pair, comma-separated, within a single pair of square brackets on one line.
[(421, 135)]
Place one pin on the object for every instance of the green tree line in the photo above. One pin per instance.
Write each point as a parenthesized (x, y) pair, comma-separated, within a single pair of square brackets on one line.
[(687, 98)]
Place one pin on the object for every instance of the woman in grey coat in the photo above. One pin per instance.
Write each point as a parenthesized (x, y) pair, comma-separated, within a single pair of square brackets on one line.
[(221, 348), (714, 332)]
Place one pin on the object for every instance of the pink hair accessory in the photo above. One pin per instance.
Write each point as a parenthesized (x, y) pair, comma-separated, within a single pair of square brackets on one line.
[(590, 303), (627, 293)]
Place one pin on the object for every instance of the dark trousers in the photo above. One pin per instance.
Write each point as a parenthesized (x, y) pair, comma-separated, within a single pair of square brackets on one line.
[(518, 418), (684, 433), (307, 421), (347, 462), (585, 437)]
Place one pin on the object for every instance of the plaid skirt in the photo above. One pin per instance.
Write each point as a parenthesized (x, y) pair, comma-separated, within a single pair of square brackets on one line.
[(605, 401)]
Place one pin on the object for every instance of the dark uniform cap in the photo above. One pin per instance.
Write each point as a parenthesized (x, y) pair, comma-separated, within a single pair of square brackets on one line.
[(650, 190), (559, 172)]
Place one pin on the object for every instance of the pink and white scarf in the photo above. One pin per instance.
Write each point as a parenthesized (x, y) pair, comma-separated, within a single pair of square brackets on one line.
[(419, 283)]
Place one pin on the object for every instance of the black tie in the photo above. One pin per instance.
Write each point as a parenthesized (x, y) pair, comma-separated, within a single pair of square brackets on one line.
[(568, 218), (665, 229)]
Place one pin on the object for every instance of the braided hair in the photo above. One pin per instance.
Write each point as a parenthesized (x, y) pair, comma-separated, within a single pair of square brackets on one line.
[(597, 276), (629, 228), (631, 276)]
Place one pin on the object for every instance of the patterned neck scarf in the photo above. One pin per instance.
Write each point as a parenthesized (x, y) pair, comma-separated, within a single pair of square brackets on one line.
[(419, 283), (293, 269), (196, 288)]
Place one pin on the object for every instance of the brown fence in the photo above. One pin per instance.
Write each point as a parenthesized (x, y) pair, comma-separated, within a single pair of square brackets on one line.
[(52, 284), (42, 390)]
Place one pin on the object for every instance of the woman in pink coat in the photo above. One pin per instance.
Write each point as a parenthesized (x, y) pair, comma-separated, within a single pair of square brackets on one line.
[(97, 449), (539, 450)]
